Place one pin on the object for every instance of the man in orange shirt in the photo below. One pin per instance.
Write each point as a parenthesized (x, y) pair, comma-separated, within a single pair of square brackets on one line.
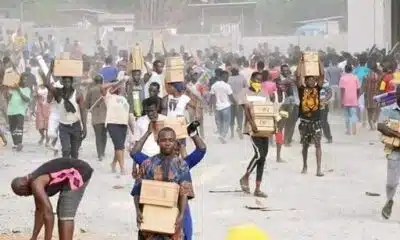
[(386, 84)]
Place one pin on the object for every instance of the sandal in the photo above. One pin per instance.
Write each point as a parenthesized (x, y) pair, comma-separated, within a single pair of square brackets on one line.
[(260, 194), (245, 187)]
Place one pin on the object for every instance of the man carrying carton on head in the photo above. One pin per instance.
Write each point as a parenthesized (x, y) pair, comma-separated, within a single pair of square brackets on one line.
[(72, 127)]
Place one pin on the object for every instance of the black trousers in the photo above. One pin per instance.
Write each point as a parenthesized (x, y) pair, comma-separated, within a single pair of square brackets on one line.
[(260, 146), (290, 125), (326, 129), (70, 139), (100, 132), (16, 127)]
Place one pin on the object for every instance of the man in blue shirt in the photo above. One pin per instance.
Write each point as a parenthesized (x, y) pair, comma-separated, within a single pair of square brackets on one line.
[(362, 71), (109, 72)]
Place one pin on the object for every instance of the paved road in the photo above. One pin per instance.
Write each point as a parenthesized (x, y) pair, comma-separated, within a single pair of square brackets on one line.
[(304, 206)]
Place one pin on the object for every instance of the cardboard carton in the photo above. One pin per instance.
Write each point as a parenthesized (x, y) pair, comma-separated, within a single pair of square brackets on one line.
[(137, 60), (159, 193), (261, 109), (11, 77), (178, 124), (311, 64), (70, 68), (174, 70), (266, 126), (391, 141), (158, 219)]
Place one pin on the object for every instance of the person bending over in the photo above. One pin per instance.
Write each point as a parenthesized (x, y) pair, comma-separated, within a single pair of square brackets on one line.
[(66, 176)]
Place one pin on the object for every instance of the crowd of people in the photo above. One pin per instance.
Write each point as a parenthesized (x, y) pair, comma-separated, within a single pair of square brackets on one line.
[(124, 103)]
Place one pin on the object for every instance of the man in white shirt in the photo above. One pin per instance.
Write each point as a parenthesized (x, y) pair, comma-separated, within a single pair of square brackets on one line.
[(246, 71), (222, 98), (156, 76), (150, 147)]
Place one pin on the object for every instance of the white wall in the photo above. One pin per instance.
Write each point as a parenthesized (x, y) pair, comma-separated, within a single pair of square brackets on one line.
[(368, 23)]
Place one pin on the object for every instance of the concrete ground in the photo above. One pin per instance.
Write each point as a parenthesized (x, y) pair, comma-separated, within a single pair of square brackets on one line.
[(302, 207)]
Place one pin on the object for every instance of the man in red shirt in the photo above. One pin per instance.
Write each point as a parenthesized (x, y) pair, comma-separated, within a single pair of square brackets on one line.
[(386, 83)]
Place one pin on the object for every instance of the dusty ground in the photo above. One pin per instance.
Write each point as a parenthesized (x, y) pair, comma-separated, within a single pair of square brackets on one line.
[(305, 207)]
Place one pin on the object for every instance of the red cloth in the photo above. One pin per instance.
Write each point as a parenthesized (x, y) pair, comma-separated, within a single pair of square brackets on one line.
[(279, 137), (274, 73), (389, 86)]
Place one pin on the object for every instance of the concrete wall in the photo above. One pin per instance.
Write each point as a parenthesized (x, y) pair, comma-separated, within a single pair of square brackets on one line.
[(368, 23)]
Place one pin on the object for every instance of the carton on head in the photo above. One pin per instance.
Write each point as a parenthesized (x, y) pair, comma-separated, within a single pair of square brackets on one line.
[(174, 69)]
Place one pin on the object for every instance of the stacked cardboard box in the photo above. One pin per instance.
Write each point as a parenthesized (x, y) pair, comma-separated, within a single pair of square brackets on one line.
[(264, 114), (11, 77), (392, 141), (136, 60), (174, 69), (311, 64), (160, 206), (65, 67)]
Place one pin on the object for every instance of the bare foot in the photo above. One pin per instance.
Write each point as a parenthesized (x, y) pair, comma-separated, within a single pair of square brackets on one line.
[(304, 171), (280, 160), (258, 193), (244, 185)]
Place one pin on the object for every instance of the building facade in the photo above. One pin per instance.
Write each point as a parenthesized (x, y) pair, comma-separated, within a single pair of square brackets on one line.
[(372, 22)]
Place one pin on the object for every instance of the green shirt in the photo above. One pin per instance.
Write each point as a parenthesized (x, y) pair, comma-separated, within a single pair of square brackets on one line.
[(17, 105)]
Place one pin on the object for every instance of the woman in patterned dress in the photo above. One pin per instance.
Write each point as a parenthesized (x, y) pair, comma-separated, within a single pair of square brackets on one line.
[(42, 113), (371, 89)]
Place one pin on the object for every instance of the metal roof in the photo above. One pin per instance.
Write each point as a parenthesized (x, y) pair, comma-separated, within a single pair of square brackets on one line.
[(318, 20), (235, 4), (84, 10)]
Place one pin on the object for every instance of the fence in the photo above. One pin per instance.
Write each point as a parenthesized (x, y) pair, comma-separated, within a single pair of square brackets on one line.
[(87, 37)]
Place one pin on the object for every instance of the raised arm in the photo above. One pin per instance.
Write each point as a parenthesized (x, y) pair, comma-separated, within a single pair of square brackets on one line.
[(321, 77), (23, 96), (105, 87), (164, 49), (151, 49), (198, 154), (83, 110), (140, 143), (299, 73)]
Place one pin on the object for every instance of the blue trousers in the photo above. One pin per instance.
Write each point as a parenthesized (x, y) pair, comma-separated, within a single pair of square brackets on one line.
[(223, 118), (187, 224), (350, 117)]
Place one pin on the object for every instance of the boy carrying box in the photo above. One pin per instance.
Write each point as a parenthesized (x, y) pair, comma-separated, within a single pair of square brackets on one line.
[(164, 167)]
